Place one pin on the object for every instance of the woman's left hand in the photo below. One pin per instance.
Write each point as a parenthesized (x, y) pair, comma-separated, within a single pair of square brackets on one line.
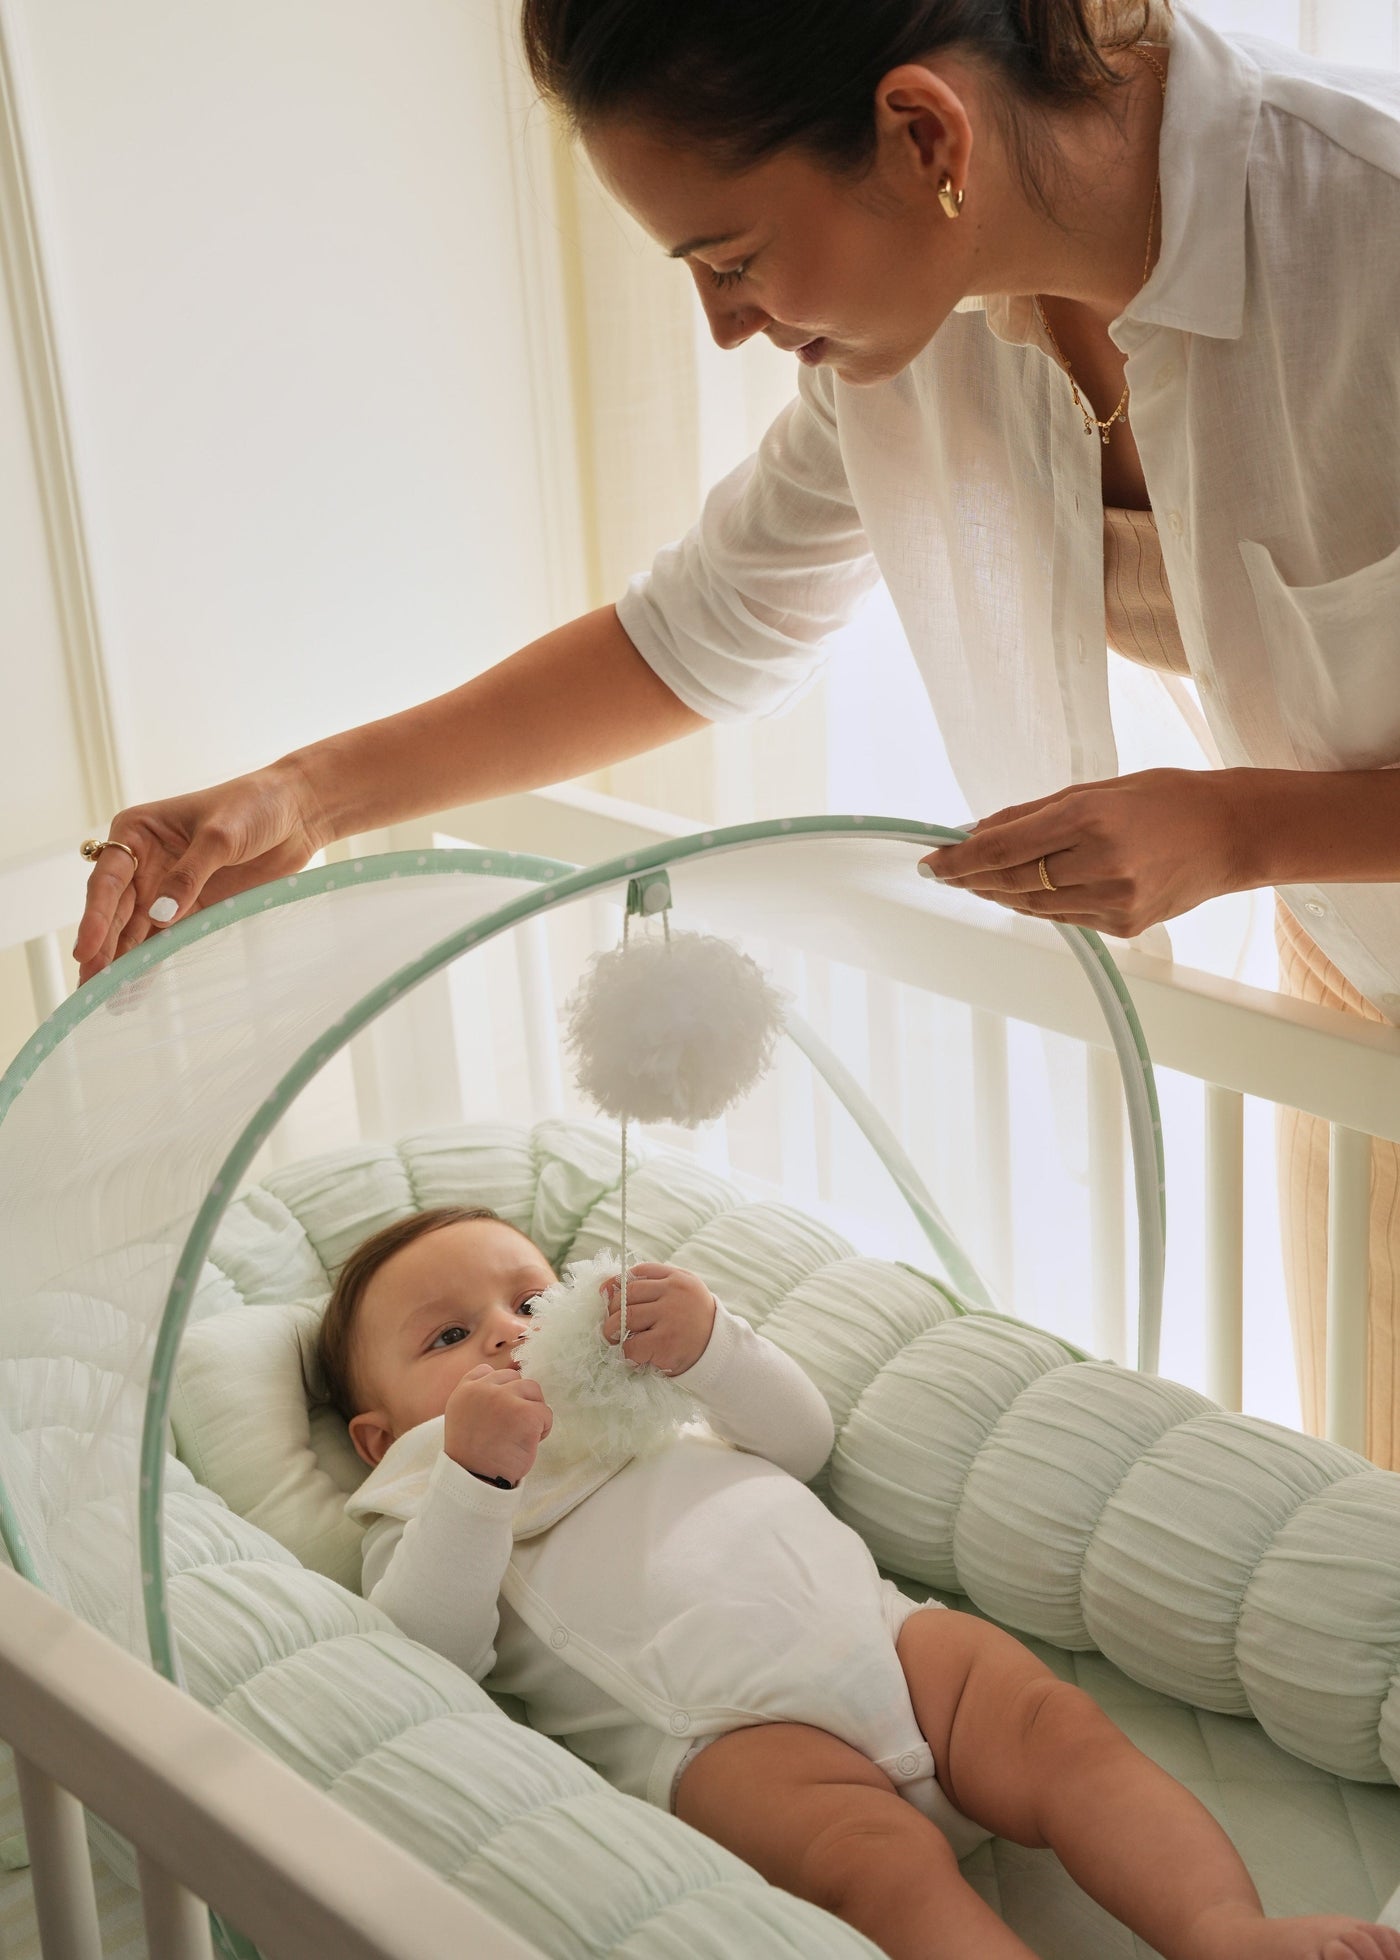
[(670, 1313), (1123, 854)]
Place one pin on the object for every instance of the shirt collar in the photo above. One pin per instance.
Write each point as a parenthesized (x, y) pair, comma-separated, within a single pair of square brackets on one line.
[(1208, 121)]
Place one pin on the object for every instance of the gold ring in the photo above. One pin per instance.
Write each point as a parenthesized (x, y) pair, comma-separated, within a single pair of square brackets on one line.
[(93, 847), (1045, 876)]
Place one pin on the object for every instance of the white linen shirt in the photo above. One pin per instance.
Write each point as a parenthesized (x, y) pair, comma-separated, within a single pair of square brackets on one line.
[(1263, 356)]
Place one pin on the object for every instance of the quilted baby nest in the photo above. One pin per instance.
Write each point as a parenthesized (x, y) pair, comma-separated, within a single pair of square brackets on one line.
[(1229, 1590)]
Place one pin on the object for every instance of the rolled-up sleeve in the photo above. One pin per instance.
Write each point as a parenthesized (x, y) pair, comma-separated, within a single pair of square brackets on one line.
[(733, 617)]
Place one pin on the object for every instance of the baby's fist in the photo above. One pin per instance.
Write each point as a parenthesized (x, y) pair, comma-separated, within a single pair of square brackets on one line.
[(496, 1421), (670, 1315)]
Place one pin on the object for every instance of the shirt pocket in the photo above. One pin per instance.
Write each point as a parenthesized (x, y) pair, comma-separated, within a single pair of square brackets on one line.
[(1333, 654)]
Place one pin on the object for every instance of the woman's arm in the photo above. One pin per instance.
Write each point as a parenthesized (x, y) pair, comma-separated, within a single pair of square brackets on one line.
[(577, 699), (1317, 827), (580, 697), (1127, 853), (730, 621)]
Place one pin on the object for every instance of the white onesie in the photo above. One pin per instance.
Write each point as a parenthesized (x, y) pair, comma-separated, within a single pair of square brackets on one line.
[(642, 1607)]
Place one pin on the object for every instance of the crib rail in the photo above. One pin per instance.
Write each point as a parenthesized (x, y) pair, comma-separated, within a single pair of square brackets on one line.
[(213, 1819)]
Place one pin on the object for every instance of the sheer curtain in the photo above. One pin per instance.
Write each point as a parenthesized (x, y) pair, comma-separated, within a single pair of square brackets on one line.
[(663, 414)]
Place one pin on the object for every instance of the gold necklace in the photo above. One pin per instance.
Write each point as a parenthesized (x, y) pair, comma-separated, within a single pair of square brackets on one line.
[(1092, 421)]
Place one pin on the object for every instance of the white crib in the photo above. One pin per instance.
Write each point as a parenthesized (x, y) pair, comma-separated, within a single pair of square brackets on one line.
[(212, 1818)]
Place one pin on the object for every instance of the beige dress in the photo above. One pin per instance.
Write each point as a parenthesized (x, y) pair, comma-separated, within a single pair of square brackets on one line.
[(1141, 623)]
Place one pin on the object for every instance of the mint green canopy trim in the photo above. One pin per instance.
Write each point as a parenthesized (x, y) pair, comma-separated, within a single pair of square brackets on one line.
[(16, 1544)]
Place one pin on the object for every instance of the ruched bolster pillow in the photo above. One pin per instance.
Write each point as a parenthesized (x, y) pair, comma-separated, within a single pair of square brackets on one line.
[(1234, 1564)]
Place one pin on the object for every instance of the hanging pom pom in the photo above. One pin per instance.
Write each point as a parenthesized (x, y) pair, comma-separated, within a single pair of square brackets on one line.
[(672, 1030), (603, 1405)]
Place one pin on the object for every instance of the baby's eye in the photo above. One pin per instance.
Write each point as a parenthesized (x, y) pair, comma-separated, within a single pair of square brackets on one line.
[(450, 1336), (528, 1305)]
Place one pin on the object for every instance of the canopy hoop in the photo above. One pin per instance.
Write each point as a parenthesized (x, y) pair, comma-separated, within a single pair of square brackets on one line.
[(553, 883)]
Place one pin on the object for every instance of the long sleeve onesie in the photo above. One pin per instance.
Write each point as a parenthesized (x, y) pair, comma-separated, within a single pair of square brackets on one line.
[(646, 1607), (438, 1572)]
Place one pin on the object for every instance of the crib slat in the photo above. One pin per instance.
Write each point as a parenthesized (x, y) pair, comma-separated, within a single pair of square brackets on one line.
[(1224, 1172), (65, 1904), (177, 1924), (1106, 1196), (991, 1101), (1348, 1283), (48, 982)]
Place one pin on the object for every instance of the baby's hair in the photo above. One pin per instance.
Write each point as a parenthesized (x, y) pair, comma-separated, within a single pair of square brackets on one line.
[(335, 1338)]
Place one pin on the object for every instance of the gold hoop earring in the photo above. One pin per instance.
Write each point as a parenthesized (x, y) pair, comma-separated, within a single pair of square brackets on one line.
[(950, 199)]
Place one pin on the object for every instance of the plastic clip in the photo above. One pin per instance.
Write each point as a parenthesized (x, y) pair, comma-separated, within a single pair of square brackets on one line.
[(649, 894)]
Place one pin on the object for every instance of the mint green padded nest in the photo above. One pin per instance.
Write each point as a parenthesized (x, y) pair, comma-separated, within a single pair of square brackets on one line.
[(1228, 1590)]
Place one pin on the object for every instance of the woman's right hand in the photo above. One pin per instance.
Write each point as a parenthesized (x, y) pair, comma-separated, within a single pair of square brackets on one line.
[(496, 1421), (196, 850)]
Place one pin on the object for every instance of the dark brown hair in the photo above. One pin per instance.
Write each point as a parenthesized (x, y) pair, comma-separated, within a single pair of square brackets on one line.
[(744, 79), (335, 1337)]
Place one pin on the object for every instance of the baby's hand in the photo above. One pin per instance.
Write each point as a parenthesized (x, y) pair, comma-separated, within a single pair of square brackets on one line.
[(670, 1313), (496, 1421)]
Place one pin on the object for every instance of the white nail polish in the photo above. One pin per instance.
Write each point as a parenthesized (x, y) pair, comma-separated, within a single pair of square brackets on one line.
[(927, 871), (163, 911)]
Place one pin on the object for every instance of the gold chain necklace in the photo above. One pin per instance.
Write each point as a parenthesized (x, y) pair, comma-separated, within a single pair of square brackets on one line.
[(1092, 421)]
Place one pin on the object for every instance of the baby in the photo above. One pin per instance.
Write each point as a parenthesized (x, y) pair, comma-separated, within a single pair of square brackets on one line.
[(699, 1626)]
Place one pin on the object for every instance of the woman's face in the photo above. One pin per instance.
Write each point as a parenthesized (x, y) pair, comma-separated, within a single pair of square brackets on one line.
[(856, 275)]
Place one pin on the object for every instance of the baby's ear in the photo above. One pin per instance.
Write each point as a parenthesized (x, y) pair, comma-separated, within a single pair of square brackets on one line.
[(371, 1435)]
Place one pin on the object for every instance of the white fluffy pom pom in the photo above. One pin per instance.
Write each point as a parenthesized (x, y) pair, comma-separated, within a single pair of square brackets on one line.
[(672, 1031), (603, 1405)]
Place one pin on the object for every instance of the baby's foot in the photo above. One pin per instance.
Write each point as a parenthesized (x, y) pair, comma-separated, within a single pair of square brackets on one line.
[(1325, 1937)]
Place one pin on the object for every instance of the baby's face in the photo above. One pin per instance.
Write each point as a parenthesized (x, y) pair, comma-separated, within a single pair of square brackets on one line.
[(438, 1308)]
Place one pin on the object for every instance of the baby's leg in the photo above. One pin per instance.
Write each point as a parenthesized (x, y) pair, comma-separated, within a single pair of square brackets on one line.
[(819, 1819), (1030, 1757)]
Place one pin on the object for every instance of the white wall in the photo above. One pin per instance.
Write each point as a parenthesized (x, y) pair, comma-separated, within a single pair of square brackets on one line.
[(293, 320)]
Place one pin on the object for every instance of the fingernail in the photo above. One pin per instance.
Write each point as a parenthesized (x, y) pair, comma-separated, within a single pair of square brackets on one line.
[(163, 911), (926, 870)]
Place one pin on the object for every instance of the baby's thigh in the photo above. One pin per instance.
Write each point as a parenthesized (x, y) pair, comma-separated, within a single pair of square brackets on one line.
[(996, 1719), (796, 1803)]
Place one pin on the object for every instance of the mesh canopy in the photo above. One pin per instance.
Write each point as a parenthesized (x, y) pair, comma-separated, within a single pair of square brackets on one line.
[(129, 1119), (120, 1114)]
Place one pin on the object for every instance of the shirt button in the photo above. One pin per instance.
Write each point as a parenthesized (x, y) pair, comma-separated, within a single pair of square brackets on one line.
[(1164, 373), (1316, 907), (907, 1765), (679, 1723), (558, 1638), (1175, 523), (1079, 646)]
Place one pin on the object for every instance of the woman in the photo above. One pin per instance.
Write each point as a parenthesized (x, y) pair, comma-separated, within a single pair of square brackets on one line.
[(1087, 323)]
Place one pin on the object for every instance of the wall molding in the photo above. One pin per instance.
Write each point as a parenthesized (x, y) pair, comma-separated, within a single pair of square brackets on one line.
[(26, 286)]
